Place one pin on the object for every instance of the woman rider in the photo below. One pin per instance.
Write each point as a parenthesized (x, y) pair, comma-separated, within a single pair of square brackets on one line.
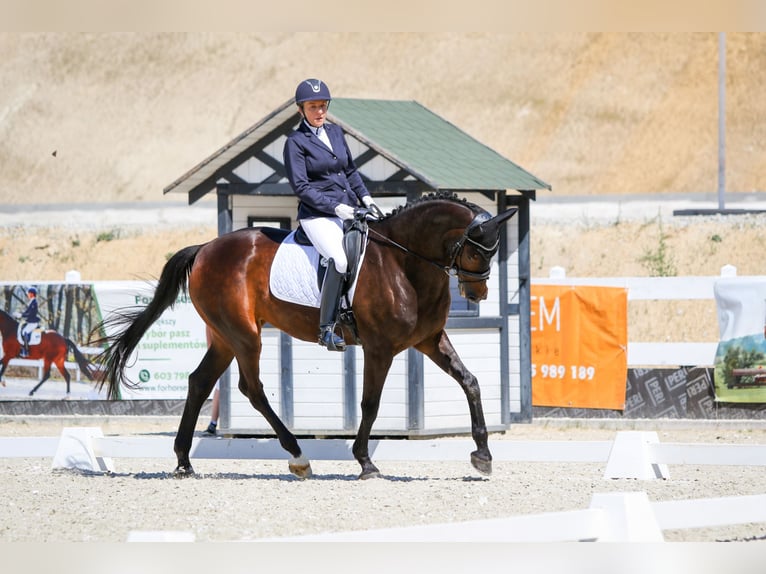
[(30, 320), (322, 173)]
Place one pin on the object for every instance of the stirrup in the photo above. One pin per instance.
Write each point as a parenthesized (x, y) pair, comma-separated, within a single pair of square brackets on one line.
[(328, 338)]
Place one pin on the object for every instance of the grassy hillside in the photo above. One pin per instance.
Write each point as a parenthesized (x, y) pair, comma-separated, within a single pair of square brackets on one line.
[(126, 114)]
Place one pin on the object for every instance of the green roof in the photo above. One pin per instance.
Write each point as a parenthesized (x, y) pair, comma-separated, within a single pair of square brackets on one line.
[(431, 148), (422, 145)]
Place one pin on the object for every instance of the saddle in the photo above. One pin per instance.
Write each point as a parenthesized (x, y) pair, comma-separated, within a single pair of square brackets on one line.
[(35, 336), (309, 261)]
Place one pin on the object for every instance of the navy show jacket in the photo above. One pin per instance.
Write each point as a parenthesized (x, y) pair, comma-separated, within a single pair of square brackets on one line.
[(322, 179), (30, 313)]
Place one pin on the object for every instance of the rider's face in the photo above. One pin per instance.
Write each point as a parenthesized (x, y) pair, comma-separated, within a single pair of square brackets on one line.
[(315, 112)]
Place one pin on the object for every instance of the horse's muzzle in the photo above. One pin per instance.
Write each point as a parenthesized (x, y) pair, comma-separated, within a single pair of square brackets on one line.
[(474, 292)]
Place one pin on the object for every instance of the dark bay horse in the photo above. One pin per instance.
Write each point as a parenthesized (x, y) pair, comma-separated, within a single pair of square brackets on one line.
[(402, 300), (53, 349)]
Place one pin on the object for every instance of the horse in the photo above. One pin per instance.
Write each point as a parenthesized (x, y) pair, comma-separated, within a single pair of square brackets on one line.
[(402, 300), (52, 349)]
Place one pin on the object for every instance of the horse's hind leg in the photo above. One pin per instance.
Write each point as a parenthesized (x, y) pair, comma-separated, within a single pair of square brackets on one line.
[(64, 372), (251, 386), (201, 383), (46, 376), (299, 465), (440, 350)]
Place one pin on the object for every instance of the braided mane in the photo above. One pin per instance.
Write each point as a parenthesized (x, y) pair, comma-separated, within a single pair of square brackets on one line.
[(433, 196)]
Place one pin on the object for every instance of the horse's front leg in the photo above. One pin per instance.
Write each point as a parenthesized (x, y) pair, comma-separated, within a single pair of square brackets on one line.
[(3, 366), (376, 366), (440, 350)]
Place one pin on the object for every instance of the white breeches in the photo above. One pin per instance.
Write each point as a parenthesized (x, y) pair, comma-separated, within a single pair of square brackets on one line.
[(26, 329), (326, 233)]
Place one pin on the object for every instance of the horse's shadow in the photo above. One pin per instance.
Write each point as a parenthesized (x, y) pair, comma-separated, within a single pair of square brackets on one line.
[(262, 476), (267, 476)]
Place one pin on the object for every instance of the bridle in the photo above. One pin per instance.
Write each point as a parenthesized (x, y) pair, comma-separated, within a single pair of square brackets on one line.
[(453, 269)]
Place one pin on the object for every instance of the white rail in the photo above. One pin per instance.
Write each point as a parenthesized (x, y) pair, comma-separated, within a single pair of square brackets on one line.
[(611, 517), (658, 289), (38, 364), (632, 454)]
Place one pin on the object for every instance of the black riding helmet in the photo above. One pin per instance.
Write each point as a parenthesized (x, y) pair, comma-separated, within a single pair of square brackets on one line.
[(311, 90)]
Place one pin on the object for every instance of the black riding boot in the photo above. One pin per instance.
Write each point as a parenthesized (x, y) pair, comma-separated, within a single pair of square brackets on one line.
[(328, 310)]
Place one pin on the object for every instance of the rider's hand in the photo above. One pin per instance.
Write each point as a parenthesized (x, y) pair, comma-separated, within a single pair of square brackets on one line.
[(372, 207), (344, 211)]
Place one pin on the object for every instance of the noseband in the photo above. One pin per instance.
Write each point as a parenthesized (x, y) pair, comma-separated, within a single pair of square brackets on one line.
[(453, 269)]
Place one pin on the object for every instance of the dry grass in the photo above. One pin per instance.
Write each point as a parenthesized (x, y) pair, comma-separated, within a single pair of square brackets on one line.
[(590, 113)]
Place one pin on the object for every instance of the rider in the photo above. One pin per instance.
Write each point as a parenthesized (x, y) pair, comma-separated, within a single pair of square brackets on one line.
[(30, 320), (322, 173)]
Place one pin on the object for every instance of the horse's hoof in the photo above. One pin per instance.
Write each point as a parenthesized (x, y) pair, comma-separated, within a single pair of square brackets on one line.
[(183, 472), (369, 470), (300, 467), (366, 475), (31, 393), (483, 465)]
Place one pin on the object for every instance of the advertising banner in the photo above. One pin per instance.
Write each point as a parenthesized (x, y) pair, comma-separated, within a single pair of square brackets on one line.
[(579, 346), (171, 348), (740, 360), (69, 316)]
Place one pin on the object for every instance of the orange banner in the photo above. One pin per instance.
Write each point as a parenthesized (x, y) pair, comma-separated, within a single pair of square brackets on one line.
[(579, 346)]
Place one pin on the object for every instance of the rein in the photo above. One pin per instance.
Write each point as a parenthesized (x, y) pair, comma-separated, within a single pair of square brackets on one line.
[(453, 269)]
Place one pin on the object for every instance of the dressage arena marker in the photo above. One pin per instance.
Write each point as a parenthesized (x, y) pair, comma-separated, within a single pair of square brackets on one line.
[(625, 517), (76, 450)]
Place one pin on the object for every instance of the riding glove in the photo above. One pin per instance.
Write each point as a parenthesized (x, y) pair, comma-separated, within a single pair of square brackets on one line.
[(372, 206), (344, 211)]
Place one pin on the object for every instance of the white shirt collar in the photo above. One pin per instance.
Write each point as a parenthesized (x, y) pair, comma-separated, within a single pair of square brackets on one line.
[(321, 133), (315, 131)]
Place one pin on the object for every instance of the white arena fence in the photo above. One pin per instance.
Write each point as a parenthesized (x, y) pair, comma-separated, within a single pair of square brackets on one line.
[(610, 517), (658, 289), (72, 367)]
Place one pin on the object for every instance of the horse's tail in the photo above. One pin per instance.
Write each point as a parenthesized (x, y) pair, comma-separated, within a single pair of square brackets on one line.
[(131, 324), (86, 367)]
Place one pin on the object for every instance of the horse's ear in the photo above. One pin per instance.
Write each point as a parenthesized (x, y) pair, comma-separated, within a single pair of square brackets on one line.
[(490, 229)]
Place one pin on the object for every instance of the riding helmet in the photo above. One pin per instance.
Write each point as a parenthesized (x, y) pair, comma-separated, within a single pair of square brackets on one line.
[(32, 290), (311, 90)]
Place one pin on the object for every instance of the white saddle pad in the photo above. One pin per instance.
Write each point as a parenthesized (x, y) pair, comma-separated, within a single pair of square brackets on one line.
[(293, 276), (34, 338)]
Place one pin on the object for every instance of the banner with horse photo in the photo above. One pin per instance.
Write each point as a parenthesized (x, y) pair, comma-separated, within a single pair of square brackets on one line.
[(740, 360), (579, 346), (48, 331), (44, 328)]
